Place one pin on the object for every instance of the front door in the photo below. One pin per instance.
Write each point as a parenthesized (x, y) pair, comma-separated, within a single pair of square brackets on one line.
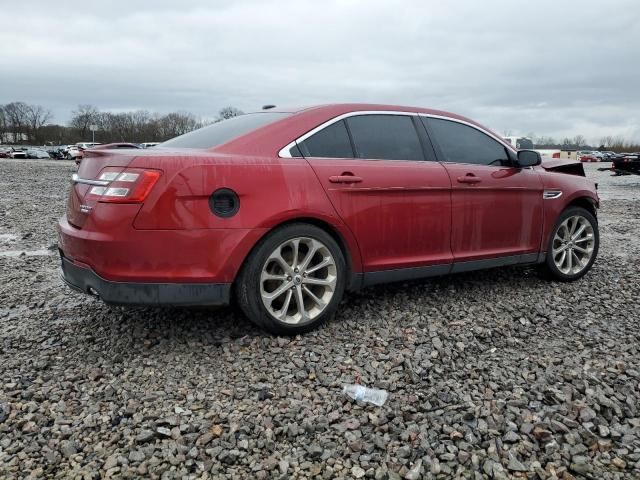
[(497, 209)]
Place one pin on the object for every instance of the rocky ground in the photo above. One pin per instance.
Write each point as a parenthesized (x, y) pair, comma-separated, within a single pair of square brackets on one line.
[(493, 374)]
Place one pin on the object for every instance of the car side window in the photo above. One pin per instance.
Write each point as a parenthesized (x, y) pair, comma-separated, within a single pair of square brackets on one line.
[(461, 143), (332, 142), (385, 137)]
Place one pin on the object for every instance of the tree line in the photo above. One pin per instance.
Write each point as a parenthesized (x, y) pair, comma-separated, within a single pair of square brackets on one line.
[(21, 123), (607, 143)]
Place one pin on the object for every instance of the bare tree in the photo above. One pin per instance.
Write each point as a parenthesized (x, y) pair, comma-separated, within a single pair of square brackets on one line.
[(4, 125), (37, 116), (229, 112), (174, 124), (83, 117), (16, 113), (579, 141)]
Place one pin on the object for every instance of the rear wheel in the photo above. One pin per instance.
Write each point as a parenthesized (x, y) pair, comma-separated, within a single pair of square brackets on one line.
[(293, 281), (573, 245)]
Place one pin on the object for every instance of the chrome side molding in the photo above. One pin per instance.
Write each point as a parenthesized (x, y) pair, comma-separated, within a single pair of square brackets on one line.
[(100, 183), (551, 194)]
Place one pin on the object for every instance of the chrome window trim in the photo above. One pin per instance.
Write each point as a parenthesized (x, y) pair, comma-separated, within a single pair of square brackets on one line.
[(285, 153)]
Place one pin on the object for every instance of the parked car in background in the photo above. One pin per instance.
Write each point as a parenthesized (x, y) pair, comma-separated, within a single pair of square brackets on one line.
[(289, 208), (55, 152), (4, 152), (74, 152), (608, 156), (553, 154), (109, 146), (587, 156), (37, 153), (85, 145), (17, 153), (627, 163)]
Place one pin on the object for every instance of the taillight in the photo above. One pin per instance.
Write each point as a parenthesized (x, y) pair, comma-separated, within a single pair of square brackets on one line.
[(556, 155), (131, 185)]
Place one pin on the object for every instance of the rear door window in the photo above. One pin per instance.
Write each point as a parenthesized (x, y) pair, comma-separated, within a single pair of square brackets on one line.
[(385, 137), (330, 142)]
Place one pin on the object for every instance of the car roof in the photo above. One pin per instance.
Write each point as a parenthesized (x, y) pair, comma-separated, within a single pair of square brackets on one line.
[(272, 137), (354, 107)]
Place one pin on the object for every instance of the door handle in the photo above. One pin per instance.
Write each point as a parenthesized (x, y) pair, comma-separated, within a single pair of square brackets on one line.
[(345, 178), (469, 178)]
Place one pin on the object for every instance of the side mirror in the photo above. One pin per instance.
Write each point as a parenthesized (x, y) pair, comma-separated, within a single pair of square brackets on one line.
[(528, 158)]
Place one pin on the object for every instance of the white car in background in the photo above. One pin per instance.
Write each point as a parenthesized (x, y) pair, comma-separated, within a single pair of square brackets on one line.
[(74, 152), (17, 153), (86, 145)]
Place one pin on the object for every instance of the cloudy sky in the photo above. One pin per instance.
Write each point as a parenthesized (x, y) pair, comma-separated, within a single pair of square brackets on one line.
[(549, 67)]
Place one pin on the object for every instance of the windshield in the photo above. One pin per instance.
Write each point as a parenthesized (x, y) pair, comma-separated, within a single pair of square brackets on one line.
[(223, 131)]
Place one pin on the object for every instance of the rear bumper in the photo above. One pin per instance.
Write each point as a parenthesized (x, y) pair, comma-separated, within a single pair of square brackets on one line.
[(87, 281), (117, 252)]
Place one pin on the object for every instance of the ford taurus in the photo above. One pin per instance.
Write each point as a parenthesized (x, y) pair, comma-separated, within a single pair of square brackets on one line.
[(285, 209)]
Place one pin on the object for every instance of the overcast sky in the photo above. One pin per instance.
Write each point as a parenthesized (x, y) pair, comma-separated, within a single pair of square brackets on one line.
[(549, 67)]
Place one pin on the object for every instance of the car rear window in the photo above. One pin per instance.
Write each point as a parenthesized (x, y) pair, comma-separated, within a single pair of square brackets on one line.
[(223, 131)]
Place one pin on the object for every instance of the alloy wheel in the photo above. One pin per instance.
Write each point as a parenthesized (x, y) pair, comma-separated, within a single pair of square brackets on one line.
[(298, 280), (573, 245)]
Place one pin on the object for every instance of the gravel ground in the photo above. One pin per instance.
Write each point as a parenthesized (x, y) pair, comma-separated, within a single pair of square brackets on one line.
[(493, 374)]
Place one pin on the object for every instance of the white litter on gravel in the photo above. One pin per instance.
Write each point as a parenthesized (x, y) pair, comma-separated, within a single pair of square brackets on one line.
[(28, 253)]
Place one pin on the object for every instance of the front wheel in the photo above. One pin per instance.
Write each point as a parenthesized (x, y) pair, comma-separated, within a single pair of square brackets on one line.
[(573, 245), (293, 281)]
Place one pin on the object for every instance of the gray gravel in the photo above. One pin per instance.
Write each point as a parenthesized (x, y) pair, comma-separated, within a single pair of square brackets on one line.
[(493, 374)]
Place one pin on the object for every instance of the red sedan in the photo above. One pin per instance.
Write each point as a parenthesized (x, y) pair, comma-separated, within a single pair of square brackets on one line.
[(285, 209)]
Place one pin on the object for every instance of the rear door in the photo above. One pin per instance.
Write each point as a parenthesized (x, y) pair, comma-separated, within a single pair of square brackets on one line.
[(497, 208), (378, 172)]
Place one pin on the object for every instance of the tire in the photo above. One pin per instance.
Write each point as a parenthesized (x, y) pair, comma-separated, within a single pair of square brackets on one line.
[(575, 263), (270, 283)]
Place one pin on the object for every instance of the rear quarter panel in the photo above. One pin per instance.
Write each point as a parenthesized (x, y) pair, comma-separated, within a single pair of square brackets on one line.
[(271, 191)]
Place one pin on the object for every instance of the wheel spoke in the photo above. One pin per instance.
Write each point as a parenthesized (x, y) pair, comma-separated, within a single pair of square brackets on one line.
[(313, 297), (560, 262), (285, 306), (277, 257), (580, 249), (296, 250), (300, 302), (326, 261), (278, 291), (578, 232), (309, 256), (319, 281), (569, 262), (573, 226), (584, 239), (578, 262), (560, 249), (271, 276)]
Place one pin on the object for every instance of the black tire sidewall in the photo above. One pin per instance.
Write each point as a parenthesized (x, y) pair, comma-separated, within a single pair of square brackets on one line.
[(248, 287), (551, 266)]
